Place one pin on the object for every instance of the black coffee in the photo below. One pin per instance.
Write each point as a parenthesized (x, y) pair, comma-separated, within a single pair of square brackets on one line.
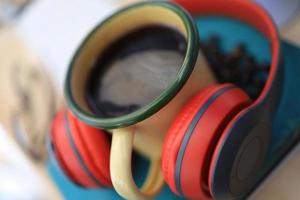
[(135, 70)]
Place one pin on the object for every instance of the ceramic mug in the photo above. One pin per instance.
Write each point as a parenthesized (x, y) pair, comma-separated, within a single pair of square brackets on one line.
[(145, 128)]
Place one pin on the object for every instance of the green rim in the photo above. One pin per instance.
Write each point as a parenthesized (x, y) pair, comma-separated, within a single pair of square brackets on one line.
[(158, 103)]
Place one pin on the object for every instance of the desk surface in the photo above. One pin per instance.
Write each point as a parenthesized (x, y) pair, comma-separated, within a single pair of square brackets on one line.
[(284, 182)]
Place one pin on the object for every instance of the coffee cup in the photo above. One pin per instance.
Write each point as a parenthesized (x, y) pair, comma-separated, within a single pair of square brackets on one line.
[(143, 126)]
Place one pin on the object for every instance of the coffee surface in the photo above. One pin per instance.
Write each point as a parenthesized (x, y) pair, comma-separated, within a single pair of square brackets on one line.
[(135, 70)]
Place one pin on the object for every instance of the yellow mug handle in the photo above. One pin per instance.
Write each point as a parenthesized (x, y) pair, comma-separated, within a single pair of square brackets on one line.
[(121, 173)]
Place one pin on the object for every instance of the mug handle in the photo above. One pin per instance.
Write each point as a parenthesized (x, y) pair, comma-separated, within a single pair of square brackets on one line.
[(120, 168)]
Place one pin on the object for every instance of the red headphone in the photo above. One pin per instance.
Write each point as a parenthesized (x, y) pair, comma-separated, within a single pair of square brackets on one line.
[(217, 143)]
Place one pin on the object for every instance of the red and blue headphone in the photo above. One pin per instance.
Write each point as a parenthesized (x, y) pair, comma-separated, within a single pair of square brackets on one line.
[(217, 144)]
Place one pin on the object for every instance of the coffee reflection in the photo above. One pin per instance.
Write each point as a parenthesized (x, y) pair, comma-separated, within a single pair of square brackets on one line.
[(134, 70)]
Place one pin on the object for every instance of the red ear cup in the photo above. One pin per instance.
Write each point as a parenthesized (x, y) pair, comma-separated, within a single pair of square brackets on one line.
[(191, 140), (176, 133), (64, 152), (94, 146), (57, 128), (82, 151)]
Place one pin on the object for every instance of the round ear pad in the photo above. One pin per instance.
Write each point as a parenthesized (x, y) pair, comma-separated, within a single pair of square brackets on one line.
[(190, 142), (74, 156), (58, 128), (64, 153), (94, 147), (176, 133), (239, 156)]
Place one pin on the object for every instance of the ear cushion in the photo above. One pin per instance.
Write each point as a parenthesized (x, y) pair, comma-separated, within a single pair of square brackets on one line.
[(94, 147), (176, 133), (195, 162), (191, 138), (65, 154), (57, 128)]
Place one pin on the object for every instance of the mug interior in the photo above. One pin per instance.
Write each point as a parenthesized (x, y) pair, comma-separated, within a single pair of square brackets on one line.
[(118, 25)]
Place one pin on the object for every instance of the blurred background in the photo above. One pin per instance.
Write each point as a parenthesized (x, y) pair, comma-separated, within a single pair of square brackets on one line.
[(37, 41)]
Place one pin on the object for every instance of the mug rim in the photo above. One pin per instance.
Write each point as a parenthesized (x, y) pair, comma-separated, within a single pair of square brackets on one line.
[(159, 102)]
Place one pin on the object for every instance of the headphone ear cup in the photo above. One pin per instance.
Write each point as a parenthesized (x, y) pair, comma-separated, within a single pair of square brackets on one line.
[(191, 139), (84, 163), (64, 152), (94, 147), (58, 128), (176, 133)]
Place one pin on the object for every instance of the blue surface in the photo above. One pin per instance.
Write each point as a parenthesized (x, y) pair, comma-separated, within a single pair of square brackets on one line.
[(232, 32), (286, 126)]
